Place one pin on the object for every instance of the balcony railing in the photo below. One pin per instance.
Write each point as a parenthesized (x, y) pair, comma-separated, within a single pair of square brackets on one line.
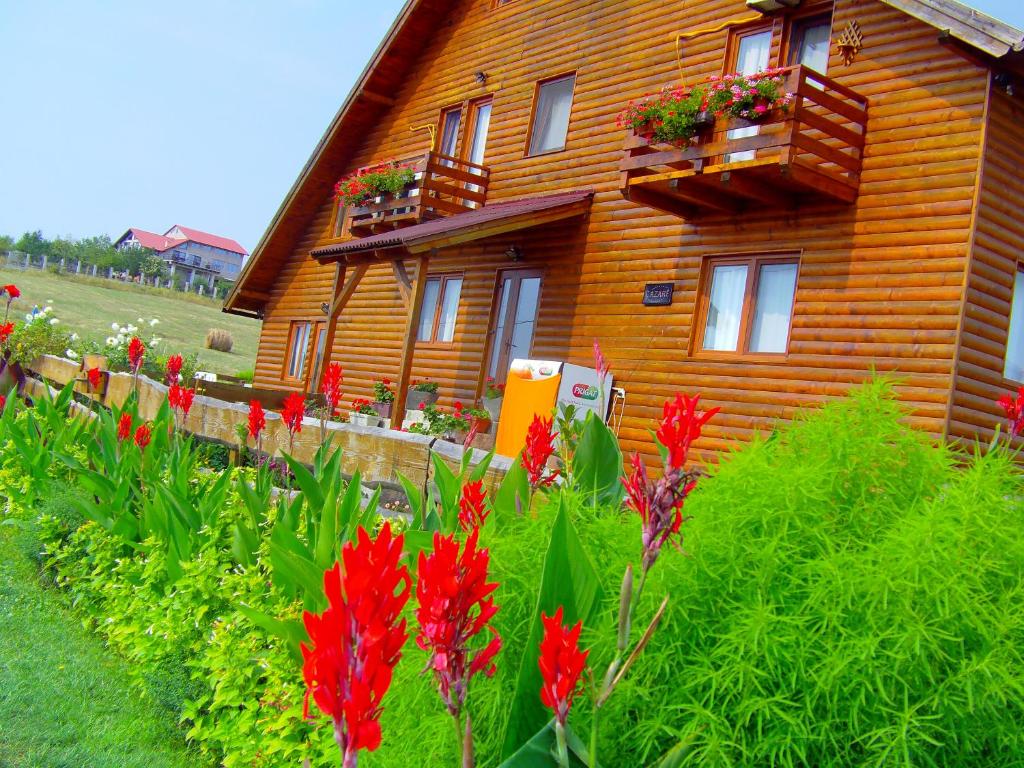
[(442, 186), (808, 154)]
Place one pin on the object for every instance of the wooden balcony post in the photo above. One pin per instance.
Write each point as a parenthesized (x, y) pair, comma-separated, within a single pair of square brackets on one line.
[(409, 344)]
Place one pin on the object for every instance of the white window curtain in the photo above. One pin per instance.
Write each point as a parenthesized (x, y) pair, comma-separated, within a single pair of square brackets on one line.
[(449, 309), (773, 309), (428, 310), (483, 123), (551, 121), (300, 344), (450, 132), (1014, 366), (725, 309), (814, 45), (751, 58)]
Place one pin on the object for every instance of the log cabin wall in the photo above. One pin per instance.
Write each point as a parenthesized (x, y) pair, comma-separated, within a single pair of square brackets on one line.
[(998, 237), (880, 282)]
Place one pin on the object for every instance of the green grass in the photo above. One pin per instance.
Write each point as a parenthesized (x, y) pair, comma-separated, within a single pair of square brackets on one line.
[(88, 307), (63, 700)]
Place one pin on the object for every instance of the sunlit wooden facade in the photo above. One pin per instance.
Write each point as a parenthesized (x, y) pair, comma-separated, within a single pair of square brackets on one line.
[(888, 201)]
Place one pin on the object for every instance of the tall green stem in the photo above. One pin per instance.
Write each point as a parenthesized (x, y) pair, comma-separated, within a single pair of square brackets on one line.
[(593, 735), (563, 750), (457, 719)]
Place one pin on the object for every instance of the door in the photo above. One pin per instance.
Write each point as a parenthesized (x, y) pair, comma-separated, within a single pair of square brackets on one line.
[(752, 50), (515, 319)]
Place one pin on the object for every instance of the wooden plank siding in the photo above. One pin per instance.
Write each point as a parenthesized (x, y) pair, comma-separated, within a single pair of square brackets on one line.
[(998, 239), (880, 282)]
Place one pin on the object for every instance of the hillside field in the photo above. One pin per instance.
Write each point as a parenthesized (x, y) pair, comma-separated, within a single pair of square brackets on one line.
[(89, 306)]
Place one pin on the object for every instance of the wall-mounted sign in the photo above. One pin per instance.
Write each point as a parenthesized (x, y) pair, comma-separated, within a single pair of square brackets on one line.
[(658, 294)]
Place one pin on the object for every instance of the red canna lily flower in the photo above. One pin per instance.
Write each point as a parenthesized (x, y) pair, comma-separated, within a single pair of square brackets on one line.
[(600, 364), (6, 329), (540, 444), (331, 386), (3, 402), (94, 376), (173, 369), (142, 436), (293, 411), (681, 424), (185, 402), (12, 292), (561, 665), (257, 419), (124, 427), (473, 509), (455, 605), (354, 644), (1014, 409), (136, 351)]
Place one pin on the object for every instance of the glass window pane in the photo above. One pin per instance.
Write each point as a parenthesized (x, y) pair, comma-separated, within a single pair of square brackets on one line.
[(1014, 367), (449, 309), (526, 318), (773, 308), (297, 355), (450, 132), (318, 358), (551, 120), (482, 124), (751, 58), (429, 309), (814, 45), (728, 285), (499, 329)]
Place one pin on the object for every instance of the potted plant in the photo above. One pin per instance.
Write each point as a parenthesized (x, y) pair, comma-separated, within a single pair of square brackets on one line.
[(494, 394), (367, 183), (420, 394), (673, 115), (363, 414), (383, 398), (748, 97)]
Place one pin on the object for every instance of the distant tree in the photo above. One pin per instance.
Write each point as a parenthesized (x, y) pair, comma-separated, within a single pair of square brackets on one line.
[(6, 243), (151, 265), (33, 243)]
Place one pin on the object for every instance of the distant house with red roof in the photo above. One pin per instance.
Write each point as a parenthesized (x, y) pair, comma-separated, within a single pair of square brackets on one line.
[(196, 254)]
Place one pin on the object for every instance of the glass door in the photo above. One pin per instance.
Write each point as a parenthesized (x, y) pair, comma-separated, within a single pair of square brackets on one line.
[(752, 52), (515, 320)]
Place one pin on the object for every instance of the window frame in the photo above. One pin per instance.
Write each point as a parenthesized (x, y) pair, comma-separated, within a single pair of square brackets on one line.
[(442, 121), (1019, 270), (753, 262), (472, 120), (338, 228), (532, 125), (293, 328), (433, 341), (795, 26), (730, 61)]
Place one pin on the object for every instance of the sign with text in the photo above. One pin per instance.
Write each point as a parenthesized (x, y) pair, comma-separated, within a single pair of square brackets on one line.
[(581, 387), (658, 294)]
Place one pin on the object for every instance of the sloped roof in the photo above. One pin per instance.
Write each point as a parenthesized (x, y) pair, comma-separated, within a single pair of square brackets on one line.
[(150, 239), (978, 30), (205, 238), (395, 56), (471, 225)]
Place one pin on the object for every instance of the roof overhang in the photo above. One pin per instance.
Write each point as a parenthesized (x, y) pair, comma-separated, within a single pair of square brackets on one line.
[(965, 24), (488, 221)]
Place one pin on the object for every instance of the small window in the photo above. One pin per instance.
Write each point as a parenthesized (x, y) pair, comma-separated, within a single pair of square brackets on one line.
[(747, 306), (552, 106), (440, 309), (1013, 368), (298, 350), (451, 119), (340, 221), (809, 42)]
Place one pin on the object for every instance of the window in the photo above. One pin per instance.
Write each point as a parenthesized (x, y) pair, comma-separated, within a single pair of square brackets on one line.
[(440, 309), (476, 131), (339, 219), (1013, 368), (552, 106), (750, 51), (809, 42), (747, 304), (298, 349), (450, 121)]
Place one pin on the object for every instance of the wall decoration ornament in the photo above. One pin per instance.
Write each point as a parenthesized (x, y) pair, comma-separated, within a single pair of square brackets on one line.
[(850, 42)]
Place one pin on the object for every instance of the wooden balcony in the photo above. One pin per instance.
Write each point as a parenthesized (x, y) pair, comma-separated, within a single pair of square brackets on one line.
[(443, 186), (810, 154)]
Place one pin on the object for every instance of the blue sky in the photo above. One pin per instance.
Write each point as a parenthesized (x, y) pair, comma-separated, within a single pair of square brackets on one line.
[(199, 113)]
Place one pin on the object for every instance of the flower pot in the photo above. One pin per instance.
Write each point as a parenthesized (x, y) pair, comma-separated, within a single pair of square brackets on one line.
[(414, 397), (364, 419), (482, 425), (456, 437), (90, 361), (383, 409), (493, 406)]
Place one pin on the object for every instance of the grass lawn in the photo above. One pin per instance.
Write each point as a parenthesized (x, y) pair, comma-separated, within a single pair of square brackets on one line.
[(63, 700), (88, 307)]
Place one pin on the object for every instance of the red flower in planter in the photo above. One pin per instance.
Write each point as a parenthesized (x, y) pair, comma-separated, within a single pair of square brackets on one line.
[(473, 509), (173, 369), (124, 427), (12, 292), (94, 377), (681, 424), (331, 386), (540, 444), (561, 665), (6, 329), (455, 605), (142, 436), (293, 411), (354, 644), (257, 419), (1014, 409), (136, 351)]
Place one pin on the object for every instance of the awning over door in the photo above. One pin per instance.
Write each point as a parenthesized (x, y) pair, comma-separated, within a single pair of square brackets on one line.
[(490, 220)]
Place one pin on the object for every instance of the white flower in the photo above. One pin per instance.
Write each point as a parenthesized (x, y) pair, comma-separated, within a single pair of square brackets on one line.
[(54, 321), (70, 353), (130, 329), (141, 320), (111, 341), (153, 322), (115, 327), (28, 317), (74, 337)]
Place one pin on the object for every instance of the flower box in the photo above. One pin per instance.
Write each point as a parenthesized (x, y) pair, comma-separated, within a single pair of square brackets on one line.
[(364, 420), (414, 397), (383, 409)]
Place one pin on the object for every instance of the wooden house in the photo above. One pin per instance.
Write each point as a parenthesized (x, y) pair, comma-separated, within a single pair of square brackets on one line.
[(874, 226)]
